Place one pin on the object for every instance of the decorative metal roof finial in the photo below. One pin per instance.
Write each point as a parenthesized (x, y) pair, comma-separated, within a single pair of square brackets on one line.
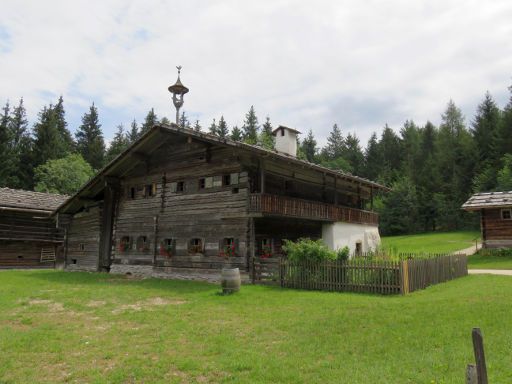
[(178, 90)]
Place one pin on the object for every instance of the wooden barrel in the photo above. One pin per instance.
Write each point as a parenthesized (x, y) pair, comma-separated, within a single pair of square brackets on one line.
[(230, 280)]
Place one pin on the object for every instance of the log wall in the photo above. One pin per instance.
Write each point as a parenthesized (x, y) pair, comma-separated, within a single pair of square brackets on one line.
[(188, 200), (24, 254), (83, 240), (496, 231)]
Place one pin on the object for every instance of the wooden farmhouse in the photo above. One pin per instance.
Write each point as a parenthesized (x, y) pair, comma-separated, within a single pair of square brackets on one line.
[(178, 199), (495, 217), (28, 233)]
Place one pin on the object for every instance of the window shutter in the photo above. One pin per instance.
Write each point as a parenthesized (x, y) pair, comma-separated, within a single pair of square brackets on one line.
[(237, 248), (153, 189), (173, 187), (234, 178)]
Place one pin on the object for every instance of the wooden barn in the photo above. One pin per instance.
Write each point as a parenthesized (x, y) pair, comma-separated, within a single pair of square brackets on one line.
[(28, 233), (180, 200), (495, 217)]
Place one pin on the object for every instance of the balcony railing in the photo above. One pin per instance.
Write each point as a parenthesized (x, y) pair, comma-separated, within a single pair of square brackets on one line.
[(307, 209)]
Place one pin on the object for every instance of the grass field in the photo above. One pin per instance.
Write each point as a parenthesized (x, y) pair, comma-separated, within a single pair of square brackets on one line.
[(436, 242), (97, 328)]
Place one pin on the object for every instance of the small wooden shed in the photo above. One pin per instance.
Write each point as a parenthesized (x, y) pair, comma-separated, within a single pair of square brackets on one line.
[(29, 236), (495, 217)]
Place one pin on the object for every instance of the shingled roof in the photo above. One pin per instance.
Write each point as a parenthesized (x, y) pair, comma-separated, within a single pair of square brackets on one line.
[(29, 200), (488, 200)]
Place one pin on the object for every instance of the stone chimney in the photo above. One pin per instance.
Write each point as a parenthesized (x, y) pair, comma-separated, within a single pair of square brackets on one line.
[(286, 140)]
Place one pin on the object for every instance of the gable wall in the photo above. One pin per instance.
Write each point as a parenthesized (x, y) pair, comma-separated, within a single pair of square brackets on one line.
[(210, 214), (496, 232)]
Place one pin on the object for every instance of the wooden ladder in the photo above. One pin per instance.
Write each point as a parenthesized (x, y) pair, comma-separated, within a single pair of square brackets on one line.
[(48, 254)]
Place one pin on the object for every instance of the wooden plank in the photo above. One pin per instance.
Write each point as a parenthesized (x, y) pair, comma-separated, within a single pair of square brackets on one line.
[(478, 348)]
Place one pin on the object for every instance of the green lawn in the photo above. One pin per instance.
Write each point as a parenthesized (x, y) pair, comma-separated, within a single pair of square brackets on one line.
[(97, 328), (436, 242)]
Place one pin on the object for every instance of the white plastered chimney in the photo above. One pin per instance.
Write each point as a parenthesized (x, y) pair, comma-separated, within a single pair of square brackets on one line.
[(286, 140)]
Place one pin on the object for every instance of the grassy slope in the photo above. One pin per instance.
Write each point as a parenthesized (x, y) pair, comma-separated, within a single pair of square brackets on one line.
[(78, 327), (437, 242)]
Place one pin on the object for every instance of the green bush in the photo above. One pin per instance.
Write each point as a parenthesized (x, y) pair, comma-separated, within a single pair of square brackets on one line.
[(343, 253), (306, 249)]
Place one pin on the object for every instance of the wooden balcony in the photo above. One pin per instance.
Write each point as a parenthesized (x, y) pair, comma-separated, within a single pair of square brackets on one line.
[(290, 207)]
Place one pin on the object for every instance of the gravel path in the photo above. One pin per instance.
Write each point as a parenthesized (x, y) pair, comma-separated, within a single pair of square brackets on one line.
[(504, 272)]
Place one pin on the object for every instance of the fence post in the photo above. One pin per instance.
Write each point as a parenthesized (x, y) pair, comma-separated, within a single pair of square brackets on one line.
[(404, 277), (478, 347)]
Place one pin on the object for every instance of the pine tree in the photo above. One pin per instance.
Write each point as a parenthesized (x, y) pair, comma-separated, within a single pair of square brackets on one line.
[(184, 122), (165, 121), (266, 138), (150, 121), (68, 144), (236, 134), (134, 133), (250, 128), (389, 147), (89, 139), (335, 144), (212, 130), (21, 146), (353, 154), (372, 159), (18, 124), (6, 161), (197, 126), (485, 133), (48, 143), (222, 128), (505, 128), (309, 148), (410, 148), (118, 144)]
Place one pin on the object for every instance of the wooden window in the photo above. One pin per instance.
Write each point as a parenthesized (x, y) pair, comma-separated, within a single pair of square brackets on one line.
[(226, 180), (150, 190), (124, 244), (81, 247), (131, 193), (202, 183), (266, 249), (168, 247), (142, 243), (180, 186), (234, 178), (228, 247), (195, 245), (506, 214), (208, 182)]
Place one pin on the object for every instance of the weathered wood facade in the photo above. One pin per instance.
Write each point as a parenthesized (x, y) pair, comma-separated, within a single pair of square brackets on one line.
[(495, 217), (29, 237), (179, 199)]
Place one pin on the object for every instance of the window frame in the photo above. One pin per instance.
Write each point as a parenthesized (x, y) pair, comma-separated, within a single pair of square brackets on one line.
[(509, 213), (194, 249)]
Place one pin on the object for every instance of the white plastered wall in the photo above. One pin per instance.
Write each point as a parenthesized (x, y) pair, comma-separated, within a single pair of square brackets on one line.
[(338, 235)]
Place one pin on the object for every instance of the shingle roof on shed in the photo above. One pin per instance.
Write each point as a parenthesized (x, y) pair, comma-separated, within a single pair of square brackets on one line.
[(17, 198), (488, 200)]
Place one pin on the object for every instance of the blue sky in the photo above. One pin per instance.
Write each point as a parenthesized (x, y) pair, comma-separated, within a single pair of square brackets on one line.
[(306, 65)]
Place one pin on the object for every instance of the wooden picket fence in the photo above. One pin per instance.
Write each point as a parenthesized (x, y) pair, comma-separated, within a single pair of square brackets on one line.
[(361, 274)]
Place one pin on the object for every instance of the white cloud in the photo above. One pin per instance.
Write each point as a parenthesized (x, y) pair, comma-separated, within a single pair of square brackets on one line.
[(360, 64)]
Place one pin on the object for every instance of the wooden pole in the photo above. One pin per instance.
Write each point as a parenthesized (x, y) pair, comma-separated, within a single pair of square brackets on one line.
[(478, 347), (471, 375)]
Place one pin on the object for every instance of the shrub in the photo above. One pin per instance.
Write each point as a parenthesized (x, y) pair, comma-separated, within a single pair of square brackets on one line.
[(306, 249), (343, 253)]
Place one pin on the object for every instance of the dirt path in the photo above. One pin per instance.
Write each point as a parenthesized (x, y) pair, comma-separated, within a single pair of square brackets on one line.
[(504, 272), (469, 251)]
